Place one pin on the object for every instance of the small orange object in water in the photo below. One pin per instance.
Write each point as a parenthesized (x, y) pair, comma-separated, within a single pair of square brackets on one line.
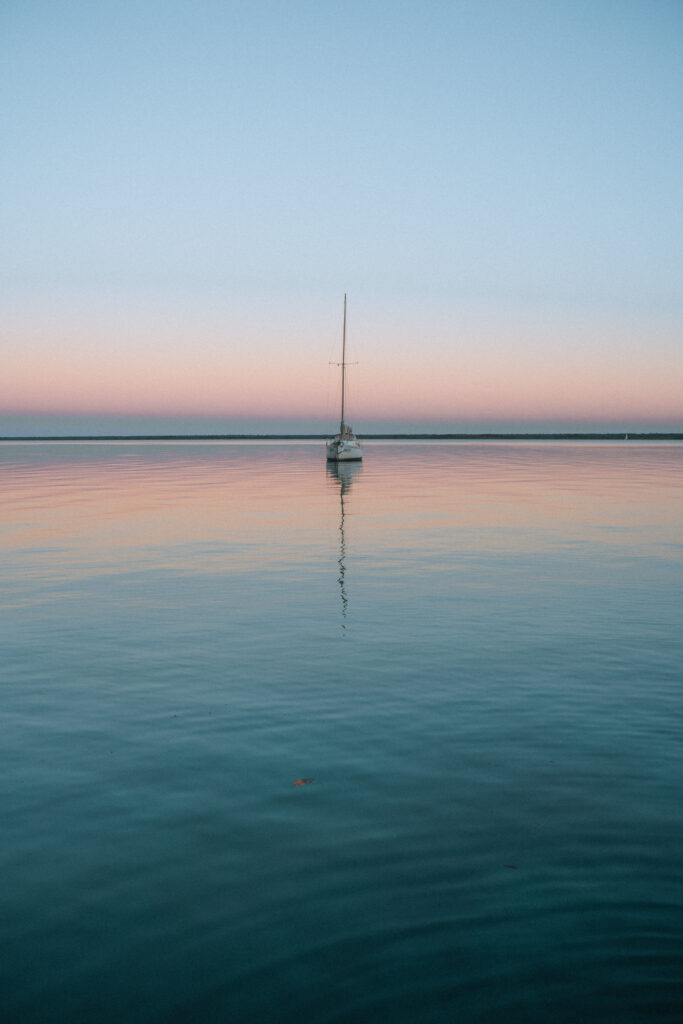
[(302, 782)]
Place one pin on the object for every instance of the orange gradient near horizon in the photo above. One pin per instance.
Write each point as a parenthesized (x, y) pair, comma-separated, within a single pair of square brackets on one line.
[(459, 374)]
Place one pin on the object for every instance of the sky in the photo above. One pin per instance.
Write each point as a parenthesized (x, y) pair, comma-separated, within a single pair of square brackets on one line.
[(189, 190)]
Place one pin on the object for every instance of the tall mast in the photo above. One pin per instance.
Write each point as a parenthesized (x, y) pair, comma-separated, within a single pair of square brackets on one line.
[(341, 426)]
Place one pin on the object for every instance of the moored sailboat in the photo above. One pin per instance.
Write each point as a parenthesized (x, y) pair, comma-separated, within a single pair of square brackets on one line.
[(344, 447)]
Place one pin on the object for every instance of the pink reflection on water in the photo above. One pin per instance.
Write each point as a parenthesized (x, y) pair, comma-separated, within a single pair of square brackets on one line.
[(212, 507)]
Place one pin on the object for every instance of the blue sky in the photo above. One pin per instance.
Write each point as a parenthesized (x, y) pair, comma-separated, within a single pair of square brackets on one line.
[(189, 189)]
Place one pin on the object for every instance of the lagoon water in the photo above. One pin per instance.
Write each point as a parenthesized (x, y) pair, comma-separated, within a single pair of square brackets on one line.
[(474, 649)]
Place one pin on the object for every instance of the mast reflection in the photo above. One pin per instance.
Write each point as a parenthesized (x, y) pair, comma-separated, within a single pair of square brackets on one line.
[(344, 473)]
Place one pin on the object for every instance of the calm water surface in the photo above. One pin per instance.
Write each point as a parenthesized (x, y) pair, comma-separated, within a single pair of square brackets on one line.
[(476, 652)]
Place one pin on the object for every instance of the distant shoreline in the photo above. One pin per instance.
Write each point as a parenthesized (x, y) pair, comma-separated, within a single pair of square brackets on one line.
[(363, 437)]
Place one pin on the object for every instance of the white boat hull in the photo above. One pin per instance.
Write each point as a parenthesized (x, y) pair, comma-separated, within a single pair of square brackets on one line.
[(344, 451)]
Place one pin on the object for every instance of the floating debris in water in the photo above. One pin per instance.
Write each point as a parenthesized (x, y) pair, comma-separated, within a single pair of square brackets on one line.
[(303, 782)]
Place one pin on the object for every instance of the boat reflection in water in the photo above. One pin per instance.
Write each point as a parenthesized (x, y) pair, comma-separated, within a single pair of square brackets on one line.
[(344, 474)]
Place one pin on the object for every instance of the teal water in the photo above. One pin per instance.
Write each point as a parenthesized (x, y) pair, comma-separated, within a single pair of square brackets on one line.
[(474, 649)]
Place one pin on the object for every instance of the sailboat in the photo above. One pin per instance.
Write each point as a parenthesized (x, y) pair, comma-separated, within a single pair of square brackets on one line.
[(344, 447)]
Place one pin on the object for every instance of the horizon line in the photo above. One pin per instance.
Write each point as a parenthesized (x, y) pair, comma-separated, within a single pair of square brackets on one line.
[(395, 436)]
